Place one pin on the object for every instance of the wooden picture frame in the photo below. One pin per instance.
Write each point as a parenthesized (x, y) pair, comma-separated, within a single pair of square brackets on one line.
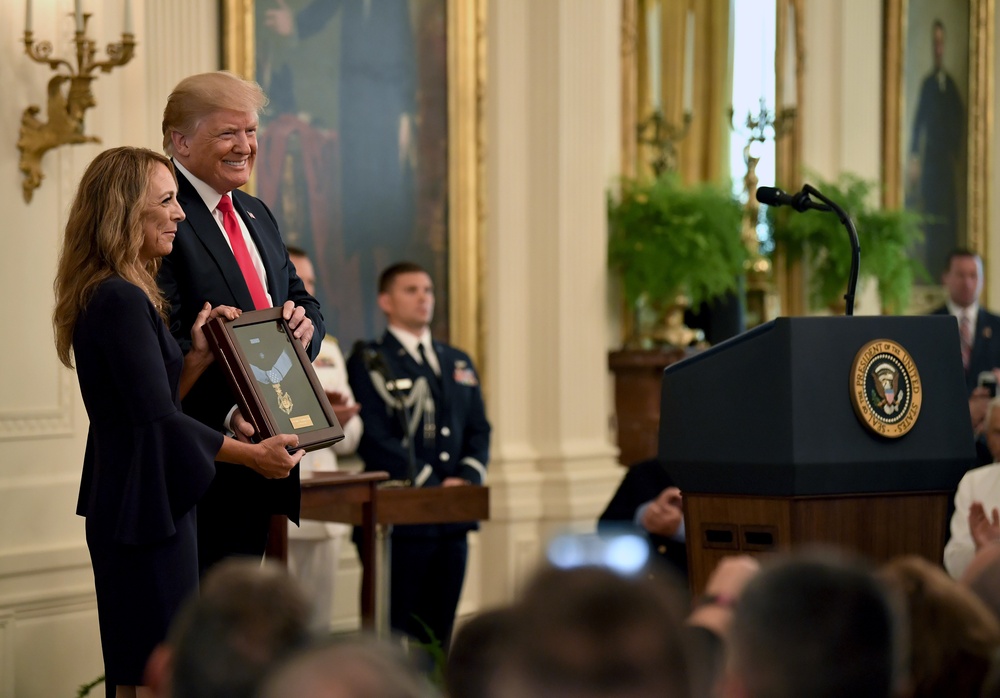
[(273, 379), (457, 266), (959, 180)]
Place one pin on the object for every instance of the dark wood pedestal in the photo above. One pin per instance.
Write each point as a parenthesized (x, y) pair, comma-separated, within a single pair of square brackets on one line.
[(638, 376), (335, 496), (877, 526), (355, 499)]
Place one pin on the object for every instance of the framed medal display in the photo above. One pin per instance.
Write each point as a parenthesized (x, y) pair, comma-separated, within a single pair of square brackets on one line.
[(272, 378)]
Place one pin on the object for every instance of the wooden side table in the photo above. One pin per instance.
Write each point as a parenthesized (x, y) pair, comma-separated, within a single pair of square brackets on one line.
[(329, 497), (638, 375)]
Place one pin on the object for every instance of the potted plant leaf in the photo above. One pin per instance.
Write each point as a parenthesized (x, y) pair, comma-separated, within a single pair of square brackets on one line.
[(887, 239), (672, 245)]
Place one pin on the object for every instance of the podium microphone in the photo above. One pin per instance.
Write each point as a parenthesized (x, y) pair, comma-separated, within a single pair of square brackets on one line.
[(772, 196), (802, 201)]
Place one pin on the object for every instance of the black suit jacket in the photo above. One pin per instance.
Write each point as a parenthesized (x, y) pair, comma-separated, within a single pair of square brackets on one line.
[(202, 268), (985, 345), (643, 482)]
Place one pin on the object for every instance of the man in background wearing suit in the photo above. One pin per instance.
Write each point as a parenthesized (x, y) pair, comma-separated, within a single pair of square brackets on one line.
[(978, 329), (436, 387), (228, 251)]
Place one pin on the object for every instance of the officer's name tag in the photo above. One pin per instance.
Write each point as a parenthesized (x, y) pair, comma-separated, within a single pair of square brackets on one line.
[(400, 384)]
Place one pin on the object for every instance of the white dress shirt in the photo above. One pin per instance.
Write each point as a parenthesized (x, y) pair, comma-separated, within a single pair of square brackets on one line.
[(212, 199), (410, 342), (972, 312)]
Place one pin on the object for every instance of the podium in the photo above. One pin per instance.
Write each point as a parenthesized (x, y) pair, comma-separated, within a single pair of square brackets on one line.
[(767, 435), (325, 496), (355, 499)]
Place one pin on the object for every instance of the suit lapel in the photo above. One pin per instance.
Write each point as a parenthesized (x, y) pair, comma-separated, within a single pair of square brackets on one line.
[(203, 225), (400, 361)]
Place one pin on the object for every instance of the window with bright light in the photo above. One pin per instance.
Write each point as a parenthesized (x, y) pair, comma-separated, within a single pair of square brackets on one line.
[(753, 23)]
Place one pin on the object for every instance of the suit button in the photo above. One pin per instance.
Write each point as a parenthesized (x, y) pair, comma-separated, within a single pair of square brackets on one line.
[(445, 431), (445, 457), (662, 550)]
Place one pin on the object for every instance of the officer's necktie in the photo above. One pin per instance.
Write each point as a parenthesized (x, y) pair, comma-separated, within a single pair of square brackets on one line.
[(425, 363)]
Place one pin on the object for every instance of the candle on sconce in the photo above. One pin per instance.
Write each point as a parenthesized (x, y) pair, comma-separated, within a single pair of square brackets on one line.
[(689, 63), (27, 16), (79, 15), (129, 24), (789, 98)]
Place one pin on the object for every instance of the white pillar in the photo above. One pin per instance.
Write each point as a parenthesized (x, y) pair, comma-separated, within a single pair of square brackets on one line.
[(552, 101)]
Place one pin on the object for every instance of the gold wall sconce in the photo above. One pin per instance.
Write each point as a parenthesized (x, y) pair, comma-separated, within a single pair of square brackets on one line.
[(66, 105)]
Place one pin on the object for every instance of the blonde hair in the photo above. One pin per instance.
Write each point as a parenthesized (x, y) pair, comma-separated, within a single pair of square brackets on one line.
[(197, 96), (104, 236)]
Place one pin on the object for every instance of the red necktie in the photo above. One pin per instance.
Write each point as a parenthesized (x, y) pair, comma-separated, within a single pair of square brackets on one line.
[(242, 254)]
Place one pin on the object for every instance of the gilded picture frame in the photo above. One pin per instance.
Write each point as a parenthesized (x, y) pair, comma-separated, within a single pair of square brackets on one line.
[(951, 42), (460, 296)]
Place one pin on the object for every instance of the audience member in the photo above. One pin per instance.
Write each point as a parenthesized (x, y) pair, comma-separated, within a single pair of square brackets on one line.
[(314, 546), (711, 618), (479, 652), (146, 464), (978, 489), (976, 326), (228, 251), (249, 617), (589, 632), (813, 626), (953, 635), (646, 501), (348, 669), (423, 401)]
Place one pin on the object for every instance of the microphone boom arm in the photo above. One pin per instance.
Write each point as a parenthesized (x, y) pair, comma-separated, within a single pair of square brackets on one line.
[(852, 282)]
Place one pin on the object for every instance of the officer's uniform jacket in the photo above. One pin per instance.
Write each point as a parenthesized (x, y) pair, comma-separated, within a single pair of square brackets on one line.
[(447, 418)]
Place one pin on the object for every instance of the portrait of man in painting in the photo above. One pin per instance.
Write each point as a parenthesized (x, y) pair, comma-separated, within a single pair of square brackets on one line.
[(354, 144), (935, 121)]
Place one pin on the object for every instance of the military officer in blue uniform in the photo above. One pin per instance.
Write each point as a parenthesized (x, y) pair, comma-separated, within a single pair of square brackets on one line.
[(424, 422)]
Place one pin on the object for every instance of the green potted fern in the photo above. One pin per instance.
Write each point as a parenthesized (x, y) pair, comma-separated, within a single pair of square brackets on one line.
[(672, 244), (887, 239)]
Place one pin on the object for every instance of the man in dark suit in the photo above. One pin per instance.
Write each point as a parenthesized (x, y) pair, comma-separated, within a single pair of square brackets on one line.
[(408, 378), (978, 330), (647, 502), (228, 251)]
